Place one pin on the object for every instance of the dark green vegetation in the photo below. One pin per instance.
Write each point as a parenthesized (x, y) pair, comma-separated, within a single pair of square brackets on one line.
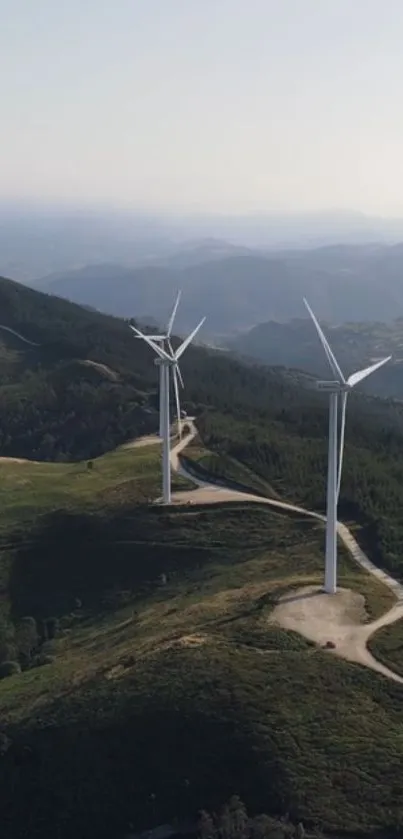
[(35, 496), (88, 385), (356, 345), (387, 646), (286, 448), (153, 682), (83, 390), (232, 821), (225, 470), (40, 502), (167, 693)]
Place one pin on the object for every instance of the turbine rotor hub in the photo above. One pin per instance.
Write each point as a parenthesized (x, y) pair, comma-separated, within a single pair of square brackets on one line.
[(170, 362)]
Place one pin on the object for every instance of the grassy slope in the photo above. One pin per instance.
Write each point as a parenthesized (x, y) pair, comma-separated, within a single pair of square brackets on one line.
[(187, 692), (288, 450), (33, 495), (103, 719), (224, 467), (128, 474), (387, 645)]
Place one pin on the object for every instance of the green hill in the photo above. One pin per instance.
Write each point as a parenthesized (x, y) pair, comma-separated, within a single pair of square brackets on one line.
[(295, 344), (154, 699), (153, 681), (54, 403)]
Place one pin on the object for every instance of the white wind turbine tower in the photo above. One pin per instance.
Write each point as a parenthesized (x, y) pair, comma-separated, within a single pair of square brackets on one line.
[(167, 359), (165, 341), (338, 387)]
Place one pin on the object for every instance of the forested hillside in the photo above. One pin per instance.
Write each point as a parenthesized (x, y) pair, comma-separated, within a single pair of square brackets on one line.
[(287, 448), (141, 674), (296, 344), (88, 385), (55, 405)]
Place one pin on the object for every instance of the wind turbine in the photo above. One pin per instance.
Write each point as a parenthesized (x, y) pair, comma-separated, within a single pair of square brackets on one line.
[(338, 387), (165, 341), (167, 360)]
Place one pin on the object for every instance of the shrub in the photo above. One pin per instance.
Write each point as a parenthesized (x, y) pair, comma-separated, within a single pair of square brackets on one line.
[(42, 659), (9, 668), (27, 639), (52, 628), (7, 651)]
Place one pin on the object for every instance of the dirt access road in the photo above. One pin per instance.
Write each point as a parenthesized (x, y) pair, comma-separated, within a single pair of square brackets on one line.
[(321, 617)]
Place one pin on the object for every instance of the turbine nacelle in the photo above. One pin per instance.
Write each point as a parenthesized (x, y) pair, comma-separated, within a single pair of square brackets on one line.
[(169, 361), (157, 338), (330, 387), (344, 387)]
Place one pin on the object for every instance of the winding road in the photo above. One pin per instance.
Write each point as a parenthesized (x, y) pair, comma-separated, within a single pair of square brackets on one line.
[(352, 640), (18, 335)]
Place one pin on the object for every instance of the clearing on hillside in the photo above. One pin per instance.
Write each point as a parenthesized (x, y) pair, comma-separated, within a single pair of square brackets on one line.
[(338, 620)]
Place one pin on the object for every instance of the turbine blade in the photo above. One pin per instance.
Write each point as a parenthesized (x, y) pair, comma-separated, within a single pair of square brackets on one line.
[(180, 377), (156, 337), (158, 350), (362, 374), (172, 318), (141, 334), (177, 400), (329, 352), (187, 340), (342, 435)]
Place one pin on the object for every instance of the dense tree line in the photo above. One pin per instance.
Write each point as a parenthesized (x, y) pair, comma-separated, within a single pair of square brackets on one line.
[(232, 821), (53, 404), (290, 453)]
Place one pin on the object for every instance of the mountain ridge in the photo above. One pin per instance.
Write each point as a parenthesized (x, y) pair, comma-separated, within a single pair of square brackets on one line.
[(355, 344), (237, 291)]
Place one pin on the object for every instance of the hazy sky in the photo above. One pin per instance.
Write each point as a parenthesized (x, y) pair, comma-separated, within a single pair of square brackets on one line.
[(232, 105)]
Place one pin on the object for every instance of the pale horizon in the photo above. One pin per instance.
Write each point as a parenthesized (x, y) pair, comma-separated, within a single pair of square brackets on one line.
[(214, 107)]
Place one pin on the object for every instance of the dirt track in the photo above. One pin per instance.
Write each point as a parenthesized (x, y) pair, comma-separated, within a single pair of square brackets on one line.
[(338, 619), (150, 440), (318, 616)]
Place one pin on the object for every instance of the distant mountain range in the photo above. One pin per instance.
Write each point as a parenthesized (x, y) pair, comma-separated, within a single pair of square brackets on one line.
[(295, 344), (237, 288), (39, 240)]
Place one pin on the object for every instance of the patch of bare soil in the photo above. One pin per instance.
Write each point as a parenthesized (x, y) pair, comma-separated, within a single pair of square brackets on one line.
[(150, 440), (102, 368), (15, 460), (115, 672), (336, 621), (195, 640)]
